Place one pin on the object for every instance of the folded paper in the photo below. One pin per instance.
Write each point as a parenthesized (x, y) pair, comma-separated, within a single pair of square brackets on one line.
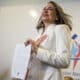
[(20, 61)]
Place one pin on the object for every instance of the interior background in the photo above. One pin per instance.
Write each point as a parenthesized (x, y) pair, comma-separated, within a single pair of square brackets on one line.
[(18, 19)]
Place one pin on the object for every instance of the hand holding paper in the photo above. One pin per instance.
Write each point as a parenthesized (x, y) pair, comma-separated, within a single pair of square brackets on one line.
[(35, 44)]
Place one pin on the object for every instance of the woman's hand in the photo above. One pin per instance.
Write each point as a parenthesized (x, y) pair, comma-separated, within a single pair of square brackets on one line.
[(35, 44), (41, 39)]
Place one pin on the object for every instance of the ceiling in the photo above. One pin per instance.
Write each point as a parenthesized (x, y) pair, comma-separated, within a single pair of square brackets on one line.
[(25, 2)]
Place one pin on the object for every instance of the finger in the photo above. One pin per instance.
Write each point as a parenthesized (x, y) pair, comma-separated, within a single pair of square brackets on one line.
[(41, 39)]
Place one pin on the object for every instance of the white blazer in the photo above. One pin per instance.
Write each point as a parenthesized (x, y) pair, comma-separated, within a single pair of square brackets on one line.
[(55, 55)]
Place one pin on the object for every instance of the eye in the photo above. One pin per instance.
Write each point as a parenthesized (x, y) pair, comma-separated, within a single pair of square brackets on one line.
[(44, 9), (50, 8)]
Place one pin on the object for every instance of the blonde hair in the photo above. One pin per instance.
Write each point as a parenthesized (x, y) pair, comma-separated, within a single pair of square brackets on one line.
[(63, 18), (68, 78)]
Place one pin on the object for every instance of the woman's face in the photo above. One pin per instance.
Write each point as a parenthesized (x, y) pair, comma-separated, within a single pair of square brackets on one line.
[(48, 13)]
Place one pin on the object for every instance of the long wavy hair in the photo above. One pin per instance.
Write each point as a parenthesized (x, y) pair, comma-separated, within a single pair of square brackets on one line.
[(62, 18)]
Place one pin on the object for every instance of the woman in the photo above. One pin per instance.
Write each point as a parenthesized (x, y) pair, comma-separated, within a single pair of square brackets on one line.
[(51, 50)]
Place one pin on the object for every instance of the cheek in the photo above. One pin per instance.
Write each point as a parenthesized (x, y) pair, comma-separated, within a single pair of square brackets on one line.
[(52, 16), (42, 13)]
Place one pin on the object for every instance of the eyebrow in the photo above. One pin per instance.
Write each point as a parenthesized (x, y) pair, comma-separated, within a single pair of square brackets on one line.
[(49, 7)]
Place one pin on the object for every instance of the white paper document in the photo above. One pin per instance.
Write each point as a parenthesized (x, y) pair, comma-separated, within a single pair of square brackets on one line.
[(20, 61)]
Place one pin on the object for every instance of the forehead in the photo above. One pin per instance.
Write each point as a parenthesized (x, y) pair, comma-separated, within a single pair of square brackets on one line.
[(49, 5)]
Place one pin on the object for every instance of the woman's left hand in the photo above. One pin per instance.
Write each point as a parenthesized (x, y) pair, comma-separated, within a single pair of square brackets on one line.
[(36, 44)]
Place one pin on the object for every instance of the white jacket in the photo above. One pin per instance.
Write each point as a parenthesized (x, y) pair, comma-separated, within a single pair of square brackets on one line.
[(55, 55)]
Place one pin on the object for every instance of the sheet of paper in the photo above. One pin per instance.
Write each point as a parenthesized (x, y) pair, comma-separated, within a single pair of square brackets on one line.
[(20, 61)]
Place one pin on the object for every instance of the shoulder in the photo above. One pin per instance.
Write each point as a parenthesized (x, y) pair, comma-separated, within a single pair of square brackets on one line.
[(62, 28)]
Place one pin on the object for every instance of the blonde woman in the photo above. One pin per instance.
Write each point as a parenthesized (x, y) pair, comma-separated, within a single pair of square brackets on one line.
[(51, 50)]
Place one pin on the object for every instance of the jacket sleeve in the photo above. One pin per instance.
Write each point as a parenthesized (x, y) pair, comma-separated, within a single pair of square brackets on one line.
[(60, 58)]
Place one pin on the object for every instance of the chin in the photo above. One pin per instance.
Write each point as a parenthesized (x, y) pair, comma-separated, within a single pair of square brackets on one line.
[(45, 19)]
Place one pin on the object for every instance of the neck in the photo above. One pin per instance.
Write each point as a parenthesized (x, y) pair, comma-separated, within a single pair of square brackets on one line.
[(46, 24)]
